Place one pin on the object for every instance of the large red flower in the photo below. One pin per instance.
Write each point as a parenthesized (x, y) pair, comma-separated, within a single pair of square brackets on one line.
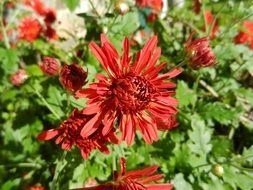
[(245, 36), (134, 94), (69, 135), (133, 180), (29, 29)]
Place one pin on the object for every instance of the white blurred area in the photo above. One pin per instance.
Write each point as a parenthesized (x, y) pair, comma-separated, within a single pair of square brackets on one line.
[(70, 26)]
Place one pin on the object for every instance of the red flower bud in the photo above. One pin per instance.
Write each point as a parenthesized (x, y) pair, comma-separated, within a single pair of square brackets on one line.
[(199, 53), (50, 66), (72, 77), (19, 77), (50, 16)]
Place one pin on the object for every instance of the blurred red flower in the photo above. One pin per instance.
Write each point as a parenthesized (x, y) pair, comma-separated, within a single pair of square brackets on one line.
[(199, 53), (211, 22), (50, 16), (69, 135), (246, 35), (19, 77), (50, 33), (29, 29), (50, 66), (133, 180), (196, 6), (134, 94), (36, 5), (155, 5), (72, 77), (36, 187)]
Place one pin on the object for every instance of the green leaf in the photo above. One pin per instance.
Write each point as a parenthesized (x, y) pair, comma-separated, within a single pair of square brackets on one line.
[(180, 183), (9, 59), (11, 184), (200, 137), (185, 95), (71, 4), (222, 146), (219, 112)]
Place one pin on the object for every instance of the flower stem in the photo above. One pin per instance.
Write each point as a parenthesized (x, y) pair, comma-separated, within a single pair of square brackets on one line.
[(46, 103), (3, 30), (179, 64), (94, 8), (59, 167)]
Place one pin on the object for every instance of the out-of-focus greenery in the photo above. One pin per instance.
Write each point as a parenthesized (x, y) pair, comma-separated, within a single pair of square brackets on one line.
[(215, 110)]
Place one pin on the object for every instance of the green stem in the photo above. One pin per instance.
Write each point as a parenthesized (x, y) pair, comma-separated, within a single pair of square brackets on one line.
[(94, 8), (3, 30), (59, 167), (23, 165), (46, 103), (180, 64)]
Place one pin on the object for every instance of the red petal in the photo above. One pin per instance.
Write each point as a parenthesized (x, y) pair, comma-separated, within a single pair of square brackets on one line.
[(159, 187), (92, 125), (142, 173), (91, 109), (47, 135)]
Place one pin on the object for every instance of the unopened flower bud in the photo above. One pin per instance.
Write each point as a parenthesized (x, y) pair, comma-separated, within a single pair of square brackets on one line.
[(199, 53), (121, 7), (50, 66), (218, 170), (72, 77), (19, 77)]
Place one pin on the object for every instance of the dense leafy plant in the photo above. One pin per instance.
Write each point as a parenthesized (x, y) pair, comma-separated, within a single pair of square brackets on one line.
[(210, 147)]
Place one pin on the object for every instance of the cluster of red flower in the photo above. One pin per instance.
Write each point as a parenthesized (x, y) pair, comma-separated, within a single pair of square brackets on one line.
[(30, 28)]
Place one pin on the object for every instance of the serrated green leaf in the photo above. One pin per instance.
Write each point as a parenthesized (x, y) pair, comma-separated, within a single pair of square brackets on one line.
[(180, 183), (185, 95), (200, 137)]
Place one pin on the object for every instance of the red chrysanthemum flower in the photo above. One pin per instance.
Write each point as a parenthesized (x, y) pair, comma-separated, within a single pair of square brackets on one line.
[(19, 77), (133, 180), (36, 5), (72, 77), (69, 135), (199, 53), (29, 29), (134, 94), (245, 36), (50, 66), (211, 23)]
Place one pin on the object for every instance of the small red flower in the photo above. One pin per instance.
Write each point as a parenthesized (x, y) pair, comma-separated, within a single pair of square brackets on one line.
[(19, 77), (155, 5), (134, 94), (50, 66), (50, 16), (29, 29), (36, 187), (245, 36), (133, 180), (72, 77), (69, 135), (152, 17), (196, 6), (50, 33), (199, 53), (211, 23), (36, 5)]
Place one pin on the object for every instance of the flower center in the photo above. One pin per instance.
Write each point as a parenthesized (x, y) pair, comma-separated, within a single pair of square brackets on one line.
[(133, 93)]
